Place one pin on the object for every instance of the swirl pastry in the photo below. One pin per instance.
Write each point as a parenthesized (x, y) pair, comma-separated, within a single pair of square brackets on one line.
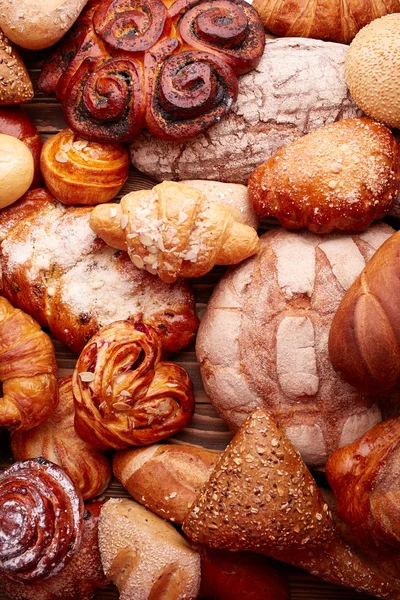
[(124, 395), (28, 370), (174, 231), (41, 520), (170, 67), (57, 441), (80, 172)]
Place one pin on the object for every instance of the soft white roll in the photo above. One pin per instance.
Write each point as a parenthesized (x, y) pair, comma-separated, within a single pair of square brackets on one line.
[(16, 169)]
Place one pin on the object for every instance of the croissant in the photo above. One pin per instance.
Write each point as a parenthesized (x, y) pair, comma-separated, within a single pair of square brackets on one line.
[(57, 441), (169, 66), (79, 579), (174, 231), (28, 370), (335, 20), (365, 477), (80, 172), (124, 395), (41, 520)]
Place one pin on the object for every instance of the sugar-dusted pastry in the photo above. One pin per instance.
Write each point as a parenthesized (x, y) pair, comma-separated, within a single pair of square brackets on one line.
[(57, 441), (174, 230), (264, 337), (342, 176), (16, 169), (372, 69), (28, 370), (336, 20), (16, 86), (125, 395), (79, 579), (80, 172), (55, 268), (144, 556), (41, 520), (167, 65)]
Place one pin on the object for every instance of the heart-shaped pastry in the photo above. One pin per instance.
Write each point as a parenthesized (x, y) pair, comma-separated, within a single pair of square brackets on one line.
[(37, 24)]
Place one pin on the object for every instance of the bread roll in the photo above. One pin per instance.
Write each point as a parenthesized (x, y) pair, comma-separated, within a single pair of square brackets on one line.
[(144, 556), (298, 86), (341, 176), (165, 478), (16, 86), (37, 24), (264, 338), (16, 169)]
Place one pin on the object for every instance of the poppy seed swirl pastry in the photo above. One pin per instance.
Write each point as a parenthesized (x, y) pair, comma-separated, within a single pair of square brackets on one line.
[(170, 67), (124, 394), (41, 520)]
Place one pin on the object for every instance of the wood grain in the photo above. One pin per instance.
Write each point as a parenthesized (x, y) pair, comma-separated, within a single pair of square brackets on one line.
[(206, 428)]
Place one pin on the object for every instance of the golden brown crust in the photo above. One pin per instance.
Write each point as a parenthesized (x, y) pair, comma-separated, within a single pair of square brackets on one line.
[(174, 231), (342, 176), (165, 478), (81, 172), (16, 86), (336, 20), (55, 268), (28, 370), (57, 441), (124, 395), (79, 579)]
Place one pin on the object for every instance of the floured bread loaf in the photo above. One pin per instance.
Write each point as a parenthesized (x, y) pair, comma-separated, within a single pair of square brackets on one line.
[(57, 270), (298, 86), (264, 339)]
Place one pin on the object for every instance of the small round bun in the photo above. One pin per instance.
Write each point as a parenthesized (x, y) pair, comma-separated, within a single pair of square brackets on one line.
[(373, 69), (16, 169)]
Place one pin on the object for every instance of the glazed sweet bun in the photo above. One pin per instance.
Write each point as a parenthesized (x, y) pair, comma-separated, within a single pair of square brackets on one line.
[(16, 169)]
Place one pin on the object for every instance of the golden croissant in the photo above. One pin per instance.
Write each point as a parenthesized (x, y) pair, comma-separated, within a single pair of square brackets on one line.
[(174, 231)]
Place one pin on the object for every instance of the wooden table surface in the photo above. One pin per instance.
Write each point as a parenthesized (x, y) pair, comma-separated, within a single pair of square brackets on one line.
[(206, 428)]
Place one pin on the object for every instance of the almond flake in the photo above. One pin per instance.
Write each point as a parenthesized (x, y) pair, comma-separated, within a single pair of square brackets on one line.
[(61, 157), (86, 376), (113, 212), (94, 154), (145, 240), (137, 261), (182, 217), (124, 221), (121, 406), (125, 393), (150, 259)]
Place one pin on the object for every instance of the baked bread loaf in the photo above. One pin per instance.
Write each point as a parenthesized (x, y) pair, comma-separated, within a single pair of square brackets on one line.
[(144, 556), (165, 478), (336, 20), (174, 230), (16, 85), (57, 441), (57, 270), (37, 24), (79, 579), (364, 339), (264, 338), (342, 176), (80, 172), (28, 370), (41, 520), (372, 69), (261, 497), (16, 169), (171, 66), (365, 479), (124, 394), (298, 86), (15, 122)]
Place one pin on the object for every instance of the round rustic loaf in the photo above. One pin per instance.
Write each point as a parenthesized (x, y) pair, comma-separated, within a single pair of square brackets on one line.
[(264, 339), (298, 86)]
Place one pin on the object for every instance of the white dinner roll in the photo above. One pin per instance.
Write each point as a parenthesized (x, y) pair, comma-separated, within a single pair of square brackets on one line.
[(16, 169)]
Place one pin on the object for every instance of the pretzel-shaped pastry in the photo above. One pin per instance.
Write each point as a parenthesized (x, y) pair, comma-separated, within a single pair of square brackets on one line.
[(124, 395), (28, 370), (169, 66), (41, 520)]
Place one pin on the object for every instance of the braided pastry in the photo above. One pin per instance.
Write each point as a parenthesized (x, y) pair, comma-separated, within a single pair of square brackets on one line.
[(41, 519), (174, 231), (124, 395), (169, 66), (81, 172), (28, 370), (56, 440)]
